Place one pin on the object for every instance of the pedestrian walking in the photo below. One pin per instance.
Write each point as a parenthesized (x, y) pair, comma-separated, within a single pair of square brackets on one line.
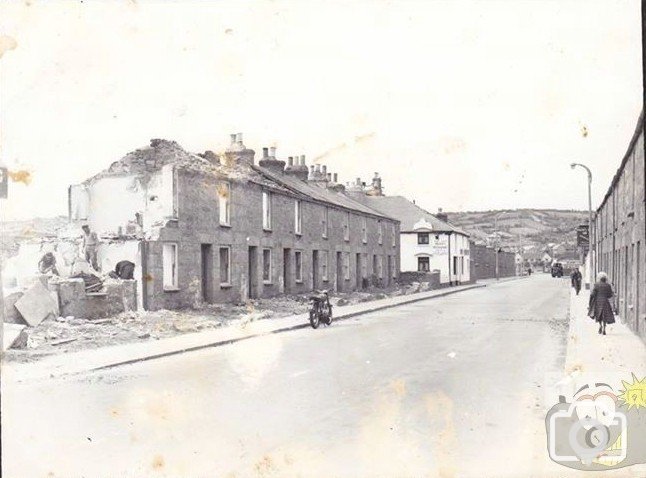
[(90, 247), (576, 279), (600, 308)]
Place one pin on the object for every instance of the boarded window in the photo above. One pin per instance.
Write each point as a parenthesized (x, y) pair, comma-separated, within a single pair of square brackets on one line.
[(346, 265), (324, 264), (224, 201), (380, 267), (326, 214), (266, 266), (298, 266), (380, 233), (266, 210), (298, 217), (225, 266), (169, 265), (364, 230), (168, 194), (346, 227)]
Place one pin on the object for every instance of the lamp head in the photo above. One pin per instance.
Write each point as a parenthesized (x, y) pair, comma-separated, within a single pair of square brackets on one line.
[(573, 165)]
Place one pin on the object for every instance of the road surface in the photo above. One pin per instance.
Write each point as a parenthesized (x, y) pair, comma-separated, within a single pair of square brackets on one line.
[(448, 387)]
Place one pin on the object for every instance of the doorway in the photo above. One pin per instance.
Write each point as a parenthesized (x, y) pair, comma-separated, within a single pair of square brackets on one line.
[(207, 272), (339, 271), (253, 272), (358, 271), (287, 270), (315, 269)]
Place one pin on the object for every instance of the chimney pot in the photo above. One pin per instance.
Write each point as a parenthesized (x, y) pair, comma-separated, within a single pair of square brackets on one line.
[(272, 151), (239, 138), (329, 177), (233, 138), (376, 175), (290, 161), (302, 160), (336, 177), (358, 181), (318, 168), (312, 168), (324, 169), (265, 152)]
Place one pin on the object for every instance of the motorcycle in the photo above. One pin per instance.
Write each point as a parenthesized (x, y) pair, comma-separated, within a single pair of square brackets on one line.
[(320, 309)]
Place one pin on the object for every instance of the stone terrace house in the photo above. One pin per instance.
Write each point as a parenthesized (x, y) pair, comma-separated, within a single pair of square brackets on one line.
[(209, 228), (428, 242)]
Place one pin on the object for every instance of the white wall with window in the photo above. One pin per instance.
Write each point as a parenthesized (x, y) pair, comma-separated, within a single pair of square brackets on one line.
[(170, 266), (424, 249), (266, 210), (266, 266)]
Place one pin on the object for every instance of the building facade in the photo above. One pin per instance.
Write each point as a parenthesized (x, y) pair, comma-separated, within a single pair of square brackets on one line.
[(207, 228), (428, 241), (620, 235)]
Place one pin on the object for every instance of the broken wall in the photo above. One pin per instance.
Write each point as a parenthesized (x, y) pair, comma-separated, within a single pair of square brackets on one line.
[(117, 296)]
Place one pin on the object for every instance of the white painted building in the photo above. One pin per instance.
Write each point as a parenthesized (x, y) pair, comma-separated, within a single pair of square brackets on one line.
[(427, 242)]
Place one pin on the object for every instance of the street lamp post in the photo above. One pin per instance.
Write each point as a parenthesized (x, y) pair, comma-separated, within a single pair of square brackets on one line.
[(590, 230), (495, 230)]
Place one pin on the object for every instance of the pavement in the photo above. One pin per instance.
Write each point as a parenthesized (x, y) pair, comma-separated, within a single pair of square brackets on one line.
[(123, 354), (450, 387), (592, 357)]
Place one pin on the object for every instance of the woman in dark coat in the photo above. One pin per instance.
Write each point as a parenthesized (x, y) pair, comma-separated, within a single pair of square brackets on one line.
[(600, 308)]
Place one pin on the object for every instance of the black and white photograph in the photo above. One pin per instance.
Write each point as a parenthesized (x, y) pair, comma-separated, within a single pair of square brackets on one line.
[(322, 238)]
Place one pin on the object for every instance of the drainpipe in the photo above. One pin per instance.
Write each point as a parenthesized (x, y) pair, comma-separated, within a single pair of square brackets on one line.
[(450, 262)]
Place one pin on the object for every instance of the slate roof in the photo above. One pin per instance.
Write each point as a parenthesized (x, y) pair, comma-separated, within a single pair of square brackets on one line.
[(407, 212), (321, 194)]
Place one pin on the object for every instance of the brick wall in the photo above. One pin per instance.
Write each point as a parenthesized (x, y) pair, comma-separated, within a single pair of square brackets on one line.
[(483, 263), (620, 235)]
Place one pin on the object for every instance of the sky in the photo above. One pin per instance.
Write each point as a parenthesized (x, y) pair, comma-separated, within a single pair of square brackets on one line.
[(458, 105)]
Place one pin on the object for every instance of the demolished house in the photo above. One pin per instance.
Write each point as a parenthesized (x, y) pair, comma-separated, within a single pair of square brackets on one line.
[(213, 228)]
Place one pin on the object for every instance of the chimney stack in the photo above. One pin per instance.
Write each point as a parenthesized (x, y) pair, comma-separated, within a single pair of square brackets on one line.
[(376, 189), (442, 216), (237, 152), (271, 163)]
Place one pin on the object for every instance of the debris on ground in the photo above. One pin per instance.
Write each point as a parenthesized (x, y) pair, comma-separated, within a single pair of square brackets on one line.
[(55, 334)]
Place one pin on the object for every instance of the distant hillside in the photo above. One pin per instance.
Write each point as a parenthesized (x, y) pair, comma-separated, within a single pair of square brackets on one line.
[(535, 229)]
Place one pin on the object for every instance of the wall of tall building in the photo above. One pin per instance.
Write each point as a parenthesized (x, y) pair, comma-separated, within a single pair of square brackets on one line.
[(620, 235)]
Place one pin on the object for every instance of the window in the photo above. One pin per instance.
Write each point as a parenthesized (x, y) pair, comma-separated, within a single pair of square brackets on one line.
[(225, 266), (380, 267), (346, 265), (394, 267), (422, 237), (298, 217), (324, 257), (266, 266), (298, 266), (364, 230), (423, 264), (224, 195), (394, 232), (380, 233), (169, 264), (346, 227), (266, 210), (326, 213), (169, 192)]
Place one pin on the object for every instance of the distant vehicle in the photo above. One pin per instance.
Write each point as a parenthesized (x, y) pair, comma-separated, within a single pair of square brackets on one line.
[(557, 269)]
